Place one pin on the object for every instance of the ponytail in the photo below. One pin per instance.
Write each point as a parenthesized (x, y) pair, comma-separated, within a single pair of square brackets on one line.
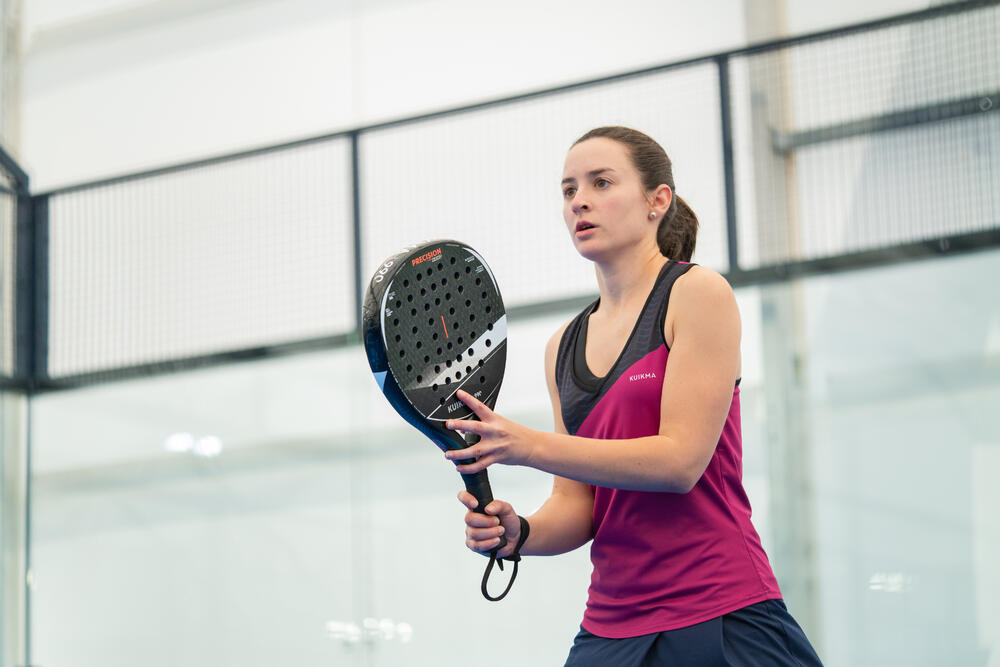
[(678, 231)]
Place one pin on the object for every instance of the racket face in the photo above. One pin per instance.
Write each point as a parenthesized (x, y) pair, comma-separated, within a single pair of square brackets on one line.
[(434, 323)]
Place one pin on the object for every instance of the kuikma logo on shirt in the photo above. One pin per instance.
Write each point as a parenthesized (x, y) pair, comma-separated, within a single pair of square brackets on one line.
[(642, 376)]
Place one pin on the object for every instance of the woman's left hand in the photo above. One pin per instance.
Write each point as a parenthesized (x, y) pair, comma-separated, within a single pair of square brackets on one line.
[(501, 440)]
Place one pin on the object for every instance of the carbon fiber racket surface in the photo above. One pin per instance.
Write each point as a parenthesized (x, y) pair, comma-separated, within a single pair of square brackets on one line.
[(434, 322)]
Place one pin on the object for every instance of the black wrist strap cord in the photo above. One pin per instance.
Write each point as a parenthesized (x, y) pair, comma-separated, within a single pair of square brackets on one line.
[(514, 557)]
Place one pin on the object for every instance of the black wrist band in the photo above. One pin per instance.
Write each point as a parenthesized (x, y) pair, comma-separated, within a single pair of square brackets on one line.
[(525, 529)]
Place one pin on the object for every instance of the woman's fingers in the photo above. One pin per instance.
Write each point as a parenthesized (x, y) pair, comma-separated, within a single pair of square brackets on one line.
[(510, 522), (480, 463), (483, 531), (467, 426), (468, 499), (477, 520), (488, 539), (484, 534), (467, 454), (474, 404), (484, 546), (499, 507)]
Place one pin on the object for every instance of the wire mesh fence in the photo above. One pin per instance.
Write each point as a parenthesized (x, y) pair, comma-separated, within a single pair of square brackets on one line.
[(232, 255), (868, 140), (491, 177)]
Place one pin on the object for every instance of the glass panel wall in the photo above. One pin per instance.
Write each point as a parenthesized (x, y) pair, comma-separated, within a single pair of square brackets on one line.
[(300, 522), (903, 375), (197, 519), (13, 526)]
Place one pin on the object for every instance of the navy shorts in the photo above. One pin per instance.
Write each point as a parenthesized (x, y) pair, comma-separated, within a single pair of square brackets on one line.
[(761, 634)]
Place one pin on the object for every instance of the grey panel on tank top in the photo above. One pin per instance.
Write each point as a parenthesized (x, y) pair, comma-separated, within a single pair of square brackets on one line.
[(579, 389)]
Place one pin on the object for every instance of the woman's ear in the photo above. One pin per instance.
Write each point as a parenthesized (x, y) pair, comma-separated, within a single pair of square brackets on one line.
[(660, 200)]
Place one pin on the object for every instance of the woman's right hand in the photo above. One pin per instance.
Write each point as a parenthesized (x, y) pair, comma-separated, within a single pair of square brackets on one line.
[(483, 531)]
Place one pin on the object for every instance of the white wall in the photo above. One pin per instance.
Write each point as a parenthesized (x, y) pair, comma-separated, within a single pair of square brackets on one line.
[(112, 87)]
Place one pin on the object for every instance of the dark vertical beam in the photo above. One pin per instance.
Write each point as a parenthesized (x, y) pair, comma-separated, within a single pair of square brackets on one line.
[(728, 165), (356, 207), (31, 309), (24, 290), (40, 221)]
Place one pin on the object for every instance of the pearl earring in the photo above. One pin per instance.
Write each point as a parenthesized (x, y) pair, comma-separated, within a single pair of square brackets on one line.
[(652, 215)]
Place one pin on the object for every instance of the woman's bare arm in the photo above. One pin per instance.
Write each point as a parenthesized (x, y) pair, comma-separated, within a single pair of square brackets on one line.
[(697, 392)]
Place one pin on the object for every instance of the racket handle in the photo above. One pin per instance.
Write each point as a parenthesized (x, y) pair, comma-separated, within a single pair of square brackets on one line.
[(478, 484)]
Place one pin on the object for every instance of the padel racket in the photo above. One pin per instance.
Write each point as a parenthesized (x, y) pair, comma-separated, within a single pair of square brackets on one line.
[(434, 323)]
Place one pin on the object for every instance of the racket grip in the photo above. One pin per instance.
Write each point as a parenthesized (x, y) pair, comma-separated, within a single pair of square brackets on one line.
[(478, 484)]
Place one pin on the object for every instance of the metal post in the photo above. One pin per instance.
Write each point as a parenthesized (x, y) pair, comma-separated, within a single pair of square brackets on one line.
[(40, 293), (356, 207), (24, 292), (784, 348), (728, 167)]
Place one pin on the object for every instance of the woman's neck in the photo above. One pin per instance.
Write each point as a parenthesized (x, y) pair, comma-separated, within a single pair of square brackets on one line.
[(627, 278)]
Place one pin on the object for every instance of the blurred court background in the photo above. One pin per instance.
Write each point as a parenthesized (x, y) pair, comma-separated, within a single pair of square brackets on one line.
[(197, 467)]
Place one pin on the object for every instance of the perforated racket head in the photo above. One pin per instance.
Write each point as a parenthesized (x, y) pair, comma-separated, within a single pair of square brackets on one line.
[(434, 323)]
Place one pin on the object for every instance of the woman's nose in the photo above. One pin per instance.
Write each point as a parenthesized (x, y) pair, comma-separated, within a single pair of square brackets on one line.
[(580, 204)]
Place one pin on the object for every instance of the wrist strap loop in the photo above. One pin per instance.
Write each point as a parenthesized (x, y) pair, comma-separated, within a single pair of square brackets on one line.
[(514, 557)]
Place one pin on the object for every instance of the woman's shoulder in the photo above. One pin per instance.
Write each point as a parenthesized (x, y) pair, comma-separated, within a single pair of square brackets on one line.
[(700, 282), (700, 294)]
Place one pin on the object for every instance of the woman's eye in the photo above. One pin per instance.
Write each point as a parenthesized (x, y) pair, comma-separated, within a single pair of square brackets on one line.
[(602, 182), (569, 192)]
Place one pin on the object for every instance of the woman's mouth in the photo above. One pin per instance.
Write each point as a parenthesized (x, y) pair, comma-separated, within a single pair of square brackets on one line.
[(583, 225)]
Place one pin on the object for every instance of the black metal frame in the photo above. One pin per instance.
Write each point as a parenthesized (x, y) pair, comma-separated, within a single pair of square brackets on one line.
[(31, 305), (10, 165), (968, 106), (32, 243)]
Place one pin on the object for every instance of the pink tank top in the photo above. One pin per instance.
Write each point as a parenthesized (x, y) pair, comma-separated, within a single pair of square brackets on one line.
[(661, 560)]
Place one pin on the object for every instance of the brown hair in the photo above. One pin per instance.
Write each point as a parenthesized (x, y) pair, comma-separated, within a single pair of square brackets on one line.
[(678, 228)]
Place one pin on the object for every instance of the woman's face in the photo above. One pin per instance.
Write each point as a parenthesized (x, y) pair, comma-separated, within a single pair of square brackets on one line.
[(604, 204)]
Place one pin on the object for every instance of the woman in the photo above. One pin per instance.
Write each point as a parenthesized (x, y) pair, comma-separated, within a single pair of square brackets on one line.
[(646, 451)]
